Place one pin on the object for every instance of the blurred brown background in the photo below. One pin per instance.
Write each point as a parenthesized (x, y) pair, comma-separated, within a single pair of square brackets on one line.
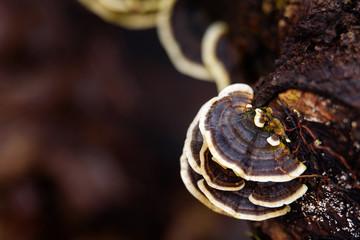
[(92, 122)]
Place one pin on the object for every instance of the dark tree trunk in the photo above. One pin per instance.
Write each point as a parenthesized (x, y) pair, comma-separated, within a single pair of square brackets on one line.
[(320, 61)]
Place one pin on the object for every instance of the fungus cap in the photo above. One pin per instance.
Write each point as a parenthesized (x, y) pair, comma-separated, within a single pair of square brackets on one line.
[(233, 139), (190, 179), (193, 144), (202, 162), (238, 205), (216, 176), (273, 140), (277, 194)]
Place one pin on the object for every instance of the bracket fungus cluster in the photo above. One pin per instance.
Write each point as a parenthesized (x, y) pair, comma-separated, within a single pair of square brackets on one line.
[(235, 159)]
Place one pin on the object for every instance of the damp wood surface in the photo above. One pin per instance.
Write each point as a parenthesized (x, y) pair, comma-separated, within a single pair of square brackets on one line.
[(314, 89)]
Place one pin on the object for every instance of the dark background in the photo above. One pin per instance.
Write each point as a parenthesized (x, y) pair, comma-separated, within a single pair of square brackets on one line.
[(92, 122)]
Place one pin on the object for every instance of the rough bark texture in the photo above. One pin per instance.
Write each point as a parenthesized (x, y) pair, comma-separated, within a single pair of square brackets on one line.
[(320, 58)]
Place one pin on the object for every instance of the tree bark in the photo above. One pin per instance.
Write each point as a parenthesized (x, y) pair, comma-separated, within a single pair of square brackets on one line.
[(320, 62)]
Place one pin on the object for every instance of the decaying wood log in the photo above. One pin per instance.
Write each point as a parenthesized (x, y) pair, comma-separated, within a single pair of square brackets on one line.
[(320, 61)]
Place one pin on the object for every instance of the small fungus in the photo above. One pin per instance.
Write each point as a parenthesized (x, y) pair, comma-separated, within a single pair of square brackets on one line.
[(258, 119), (273, 140)]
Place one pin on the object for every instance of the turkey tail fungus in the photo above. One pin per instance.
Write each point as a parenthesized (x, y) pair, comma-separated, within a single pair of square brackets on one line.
[(240, 172)]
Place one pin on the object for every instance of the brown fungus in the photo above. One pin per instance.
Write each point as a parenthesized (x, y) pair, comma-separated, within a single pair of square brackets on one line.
[(190, 179), (238, 205), (259, 120), (200, 160), (217, 176), (236, 143)]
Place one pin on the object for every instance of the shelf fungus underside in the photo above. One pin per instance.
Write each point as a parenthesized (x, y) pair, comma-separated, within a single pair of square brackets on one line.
[(229, 164)]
